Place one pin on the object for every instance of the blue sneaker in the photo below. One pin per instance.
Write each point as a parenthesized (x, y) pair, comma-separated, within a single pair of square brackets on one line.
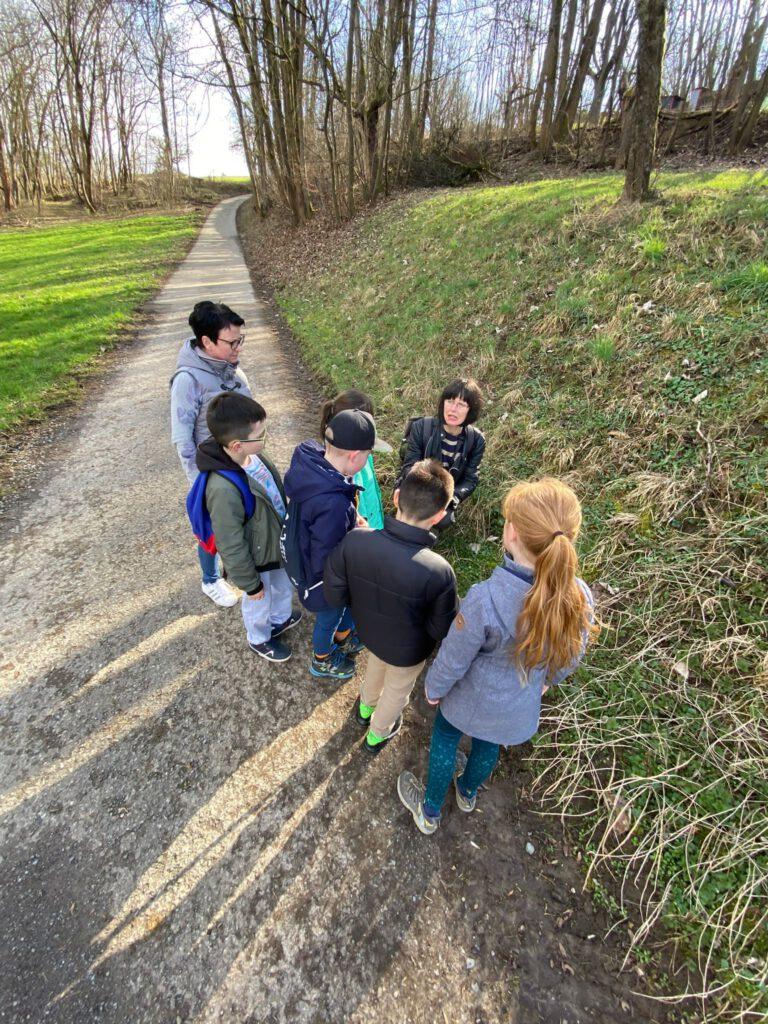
[(271, 650), (335, 666), (293, 620)]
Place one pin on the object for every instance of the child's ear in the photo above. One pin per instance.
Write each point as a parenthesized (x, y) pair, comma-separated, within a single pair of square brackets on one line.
[(396, 498), (438, 516)]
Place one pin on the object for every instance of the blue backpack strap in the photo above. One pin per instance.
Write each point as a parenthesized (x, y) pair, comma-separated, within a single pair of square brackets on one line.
[(197, 511), (241, 482)]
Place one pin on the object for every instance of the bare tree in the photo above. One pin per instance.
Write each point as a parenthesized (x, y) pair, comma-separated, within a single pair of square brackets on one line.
[(651, 15)]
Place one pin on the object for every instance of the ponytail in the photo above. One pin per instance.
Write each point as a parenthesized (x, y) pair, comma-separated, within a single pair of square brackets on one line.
[(556, 617), (352, 399)]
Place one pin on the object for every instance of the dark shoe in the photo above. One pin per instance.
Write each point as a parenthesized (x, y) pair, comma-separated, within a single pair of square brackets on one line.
[(352, 646), (362, 719), (335, 666), (373, 743), (272, 650), (293, 620)]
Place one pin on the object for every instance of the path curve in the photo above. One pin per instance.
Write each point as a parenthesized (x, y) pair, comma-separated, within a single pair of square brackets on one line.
[(189, 834)]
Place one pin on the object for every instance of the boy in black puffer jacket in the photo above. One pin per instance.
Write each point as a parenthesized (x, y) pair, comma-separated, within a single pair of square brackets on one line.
[(401, 594)]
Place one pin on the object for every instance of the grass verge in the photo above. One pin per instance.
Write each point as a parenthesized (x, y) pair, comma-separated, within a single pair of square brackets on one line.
[(65, 294), (623, 349)]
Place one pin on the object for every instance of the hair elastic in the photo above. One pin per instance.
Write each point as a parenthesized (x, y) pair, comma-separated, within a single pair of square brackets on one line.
[(558, 533)]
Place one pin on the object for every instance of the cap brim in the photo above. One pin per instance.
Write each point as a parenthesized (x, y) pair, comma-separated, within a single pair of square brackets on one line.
[(382, 446)]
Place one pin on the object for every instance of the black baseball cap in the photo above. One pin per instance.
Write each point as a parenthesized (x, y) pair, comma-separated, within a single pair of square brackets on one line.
[(354, 430)]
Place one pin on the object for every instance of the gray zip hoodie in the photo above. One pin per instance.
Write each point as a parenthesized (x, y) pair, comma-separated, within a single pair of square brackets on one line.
[(196, 380), (481, 690)]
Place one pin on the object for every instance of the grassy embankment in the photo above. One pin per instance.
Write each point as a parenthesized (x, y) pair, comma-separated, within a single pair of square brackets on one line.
[(65, 294), (624, 350)]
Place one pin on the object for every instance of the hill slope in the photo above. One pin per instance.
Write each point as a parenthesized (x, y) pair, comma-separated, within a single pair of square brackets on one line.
[(623, 349)]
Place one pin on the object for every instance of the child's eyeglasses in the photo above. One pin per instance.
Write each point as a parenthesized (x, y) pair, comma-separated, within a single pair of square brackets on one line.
[(253, 440)]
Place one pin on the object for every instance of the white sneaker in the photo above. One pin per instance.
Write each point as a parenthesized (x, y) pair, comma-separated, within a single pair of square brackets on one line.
[(220, 593)]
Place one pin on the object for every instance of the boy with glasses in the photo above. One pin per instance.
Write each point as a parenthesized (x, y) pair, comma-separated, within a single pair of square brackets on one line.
[(243, 495), (207, 364)]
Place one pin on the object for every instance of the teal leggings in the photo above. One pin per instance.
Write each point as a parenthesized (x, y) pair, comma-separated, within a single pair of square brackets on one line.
[(442, 762)]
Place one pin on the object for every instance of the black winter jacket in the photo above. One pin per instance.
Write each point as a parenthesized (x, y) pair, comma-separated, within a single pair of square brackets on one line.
[(402, 595), (424, 443)]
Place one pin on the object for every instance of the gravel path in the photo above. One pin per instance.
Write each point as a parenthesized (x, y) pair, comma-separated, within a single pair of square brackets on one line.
[(189, 834)]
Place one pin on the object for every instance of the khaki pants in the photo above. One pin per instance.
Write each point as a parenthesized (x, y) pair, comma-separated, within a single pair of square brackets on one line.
[(387, 688)]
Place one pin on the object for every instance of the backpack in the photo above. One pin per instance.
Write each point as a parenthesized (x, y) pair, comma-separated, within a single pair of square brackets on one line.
[(430, 429), (289, 547), (197, 510)]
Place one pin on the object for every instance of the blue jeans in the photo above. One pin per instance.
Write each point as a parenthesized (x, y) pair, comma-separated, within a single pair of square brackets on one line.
[(208, 565), (328, 622), (442, 763)]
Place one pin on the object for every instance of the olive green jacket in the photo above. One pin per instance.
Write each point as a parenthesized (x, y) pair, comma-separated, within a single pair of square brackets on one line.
[(247, 547)]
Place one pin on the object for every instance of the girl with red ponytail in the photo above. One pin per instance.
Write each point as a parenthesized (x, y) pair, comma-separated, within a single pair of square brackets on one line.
[(519, 632)]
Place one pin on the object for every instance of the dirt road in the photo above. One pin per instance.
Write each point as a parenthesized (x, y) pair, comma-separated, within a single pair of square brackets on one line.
[(190, 834)]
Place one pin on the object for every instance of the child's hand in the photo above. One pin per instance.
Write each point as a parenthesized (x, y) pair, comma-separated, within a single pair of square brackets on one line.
[(361, 521), (256, 597), (544, 690), (433, 703)]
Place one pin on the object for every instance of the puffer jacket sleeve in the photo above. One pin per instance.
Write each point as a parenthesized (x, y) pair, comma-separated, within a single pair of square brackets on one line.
[(443, 609), (225, 507), (471, 476), (459, 649), (335, 582)]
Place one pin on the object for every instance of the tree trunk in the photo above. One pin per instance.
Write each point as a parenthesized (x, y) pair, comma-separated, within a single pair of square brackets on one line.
[(650, 54), (428, 62), (352, 31), (547, 82)]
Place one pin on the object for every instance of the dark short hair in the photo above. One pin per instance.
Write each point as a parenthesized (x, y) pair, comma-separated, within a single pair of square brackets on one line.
[(469, 391), (425, 489), (230, 417), (208, 318), (352, 399)]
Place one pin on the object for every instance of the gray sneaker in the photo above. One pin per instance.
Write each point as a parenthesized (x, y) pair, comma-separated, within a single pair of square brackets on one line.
[(464, 803), (411, 793)]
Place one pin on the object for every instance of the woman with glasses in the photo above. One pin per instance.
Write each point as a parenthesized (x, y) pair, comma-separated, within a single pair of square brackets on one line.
[(207, 365), (451, 438)]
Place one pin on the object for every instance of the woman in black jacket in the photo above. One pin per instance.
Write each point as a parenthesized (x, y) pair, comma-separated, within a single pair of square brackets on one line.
[(451, 438)]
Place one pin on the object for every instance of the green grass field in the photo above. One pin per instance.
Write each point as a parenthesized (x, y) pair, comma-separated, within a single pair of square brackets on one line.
[(65, 293), (623, 349)]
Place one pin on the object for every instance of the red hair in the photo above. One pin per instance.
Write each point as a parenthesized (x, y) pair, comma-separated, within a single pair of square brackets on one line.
[(556, 616)]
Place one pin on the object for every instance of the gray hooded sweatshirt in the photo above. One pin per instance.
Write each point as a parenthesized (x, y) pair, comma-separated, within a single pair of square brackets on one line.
[(481, 690), (196, 381)]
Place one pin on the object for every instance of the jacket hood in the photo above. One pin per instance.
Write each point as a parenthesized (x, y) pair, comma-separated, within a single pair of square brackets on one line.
[(311, 474), (509, 585), (190, 358), (211, 457)]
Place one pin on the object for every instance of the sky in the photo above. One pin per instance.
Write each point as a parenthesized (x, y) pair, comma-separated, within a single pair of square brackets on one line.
[(211, 144), (213, 130)]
